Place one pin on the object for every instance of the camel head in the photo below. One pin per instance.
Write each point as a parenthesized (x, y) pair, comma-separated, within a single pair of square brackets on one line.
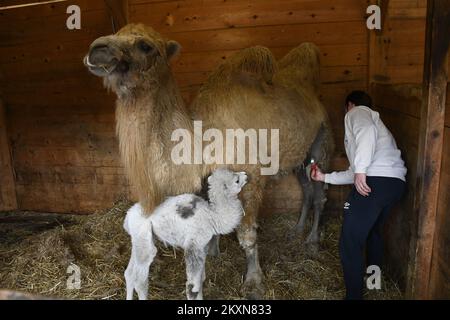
[(136, 57)]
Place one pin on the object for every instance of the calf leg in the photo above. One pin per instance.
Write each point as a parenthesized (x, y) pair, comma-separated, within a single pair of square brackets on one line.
[(308, 194), (213, 246), (143, 251), (195, 271)]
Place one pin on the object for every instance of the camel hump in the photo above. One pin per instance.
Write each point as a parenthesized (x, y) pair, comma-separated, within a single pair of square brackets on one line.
[(301, 66), (254, 64)]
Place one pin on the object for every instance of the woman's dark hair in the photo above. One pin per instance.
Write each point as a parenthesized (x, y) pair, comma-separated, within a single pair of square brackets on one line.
[(359, 98)]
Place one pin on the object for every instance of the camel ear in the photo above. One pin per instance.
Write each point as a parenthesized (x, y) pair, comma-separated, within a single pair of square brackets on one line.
[(172, 49)]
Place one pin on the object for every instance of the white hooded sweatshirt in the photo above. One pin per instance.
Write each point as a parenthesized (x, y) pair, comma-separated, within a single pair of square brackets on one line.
[(370, 148)]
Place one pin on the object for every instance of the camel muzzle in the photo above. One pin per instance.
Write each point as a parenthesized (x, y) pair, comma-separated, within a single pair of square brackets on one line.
[(103, 59)]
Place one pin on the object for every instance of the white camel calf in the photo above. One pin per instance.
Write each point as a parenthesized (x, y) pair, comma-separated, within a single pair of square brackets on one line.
[(186, 221)]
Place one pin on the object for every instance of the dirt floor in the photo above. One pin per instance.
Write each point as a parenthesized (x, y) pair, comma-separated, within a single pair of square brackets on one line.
[(36, 250)]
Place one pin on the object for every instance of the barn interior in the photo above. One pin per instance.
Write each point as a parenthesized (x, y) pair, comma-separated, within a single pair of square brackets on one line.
[(63, 190)]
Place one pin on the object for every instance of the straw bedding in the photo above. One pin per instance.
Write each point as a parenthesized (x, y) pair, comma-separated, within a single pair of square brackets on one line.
[(37, 249)]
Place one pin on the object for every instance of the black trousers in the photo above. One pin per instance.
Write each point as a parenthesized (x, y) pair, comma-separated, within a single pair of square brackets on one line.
[(362, 228)]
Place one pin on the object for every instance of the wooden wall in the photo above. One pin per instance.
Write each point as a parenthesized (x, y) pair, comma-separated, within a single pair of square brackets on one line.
[(396, 75), (440, 268), (399, 107), (61, 121)]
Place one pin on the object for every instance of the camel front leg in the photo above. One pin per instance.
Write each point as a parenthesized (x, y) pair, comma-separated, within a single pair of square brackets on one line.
[(213, 246), (253, 287)]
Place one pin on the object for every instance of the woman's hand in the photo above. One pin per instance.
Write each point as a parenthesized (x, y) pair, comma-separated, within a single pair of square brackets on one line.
[(317, 175), (361, 185)]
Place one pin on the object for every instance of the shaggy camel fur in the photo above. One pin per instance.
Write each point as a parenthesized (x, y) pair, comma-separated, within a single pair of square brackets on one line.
[(185, 221), (249, 90)]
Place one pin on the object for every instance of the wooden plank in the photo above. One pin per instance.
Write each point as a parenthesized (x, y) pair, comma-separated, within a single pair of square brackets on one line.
[(413, 34), (112, 176), (406, 55), (327, 74), (67, 197), (118, 10), (15, 295), (331, 55), (53, 50), (44, 11), (404, 99), (186, 16), (61, 156), (8, 199), (396, 52), (393, 103), (274, 36), (94, 24), (447, 106), (378, 48), (404, 74), (430, 146), (440, 269)]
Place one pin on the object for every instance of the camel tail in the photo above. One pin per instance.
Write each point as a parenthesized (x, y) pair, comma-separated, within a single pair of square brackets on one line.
[(301, 66)]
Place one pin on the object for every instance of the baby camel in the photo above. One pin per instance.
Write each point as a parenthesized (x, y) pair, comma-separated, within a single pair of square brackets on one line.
[(185, 221)]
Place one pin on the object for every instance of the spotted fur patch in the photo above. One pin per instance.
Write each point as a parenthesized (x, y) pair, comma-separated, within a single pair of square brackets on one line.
[(188, 211)]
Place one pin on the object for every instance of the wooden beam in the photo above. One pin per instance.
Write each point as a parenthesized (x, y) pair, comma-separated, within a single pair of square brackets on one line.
[(16, 295), (118, 10), (435, 79), (8, 200), (379, 43)]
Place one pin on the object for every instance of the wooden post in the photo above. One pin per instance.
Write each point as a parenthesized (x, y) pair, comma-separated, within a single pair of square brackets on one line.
[(430, 146), (118, 10), (378, 47), (8, 200)]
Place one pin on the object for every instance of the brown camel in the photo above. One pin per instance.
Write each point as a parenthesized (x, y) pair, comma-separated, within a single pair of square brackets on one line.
[(249, 90)]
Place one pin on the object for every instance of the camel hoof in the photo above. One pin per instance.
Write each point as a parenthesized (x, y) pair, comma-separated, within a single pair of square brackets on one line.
[(312, 248), (253, 290)]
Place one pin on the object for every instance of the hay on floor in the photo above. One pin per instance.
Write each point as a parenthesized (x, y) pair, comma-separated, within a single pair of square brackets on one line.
[(36, 261)]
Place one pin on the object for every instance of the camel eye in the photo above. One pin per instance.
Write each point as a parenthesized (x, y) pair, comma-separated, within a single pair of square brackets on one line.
[(145, 47)]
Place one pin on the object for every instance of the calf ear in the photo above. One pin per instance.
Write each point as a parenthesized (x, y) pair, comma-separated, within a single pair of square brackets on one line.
[(172, 49)]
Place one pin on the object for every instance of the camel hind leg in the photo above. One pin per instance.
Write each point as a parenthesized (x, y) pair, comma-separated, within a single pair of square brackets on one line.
[(314, 193), (308, 195), (253, 287), (321, 151)]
